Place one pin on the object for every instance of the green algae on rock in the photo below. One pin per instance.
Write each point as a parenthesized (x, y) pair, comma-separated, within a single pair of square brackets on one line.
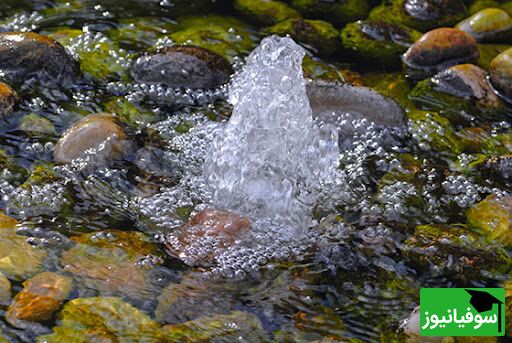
[(107, 263), (433, 131), (431, 245), (182, 67), (320, 35), (336, 12), (102, 319), (316, 69), (141, 32), (488, 52), (89, 133), (5, 290), (488, 25), (265, 12), (492, 217), (234, 326), (41, 296), (439, 49), (393, 85), (34, 125), (420, 15), (130, 113), (378, 41), (18, 259), (459, 93), (228, 37), (8, 100), (29, 56)]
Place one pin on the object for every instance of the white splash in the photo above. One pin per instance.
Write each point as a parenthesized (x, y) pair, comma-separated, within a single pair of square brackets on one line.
[(270, 158)]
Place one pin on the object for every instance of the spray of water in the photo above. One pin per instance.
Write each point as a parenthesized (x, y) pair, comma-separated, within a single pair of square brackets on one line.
[(271, 156)]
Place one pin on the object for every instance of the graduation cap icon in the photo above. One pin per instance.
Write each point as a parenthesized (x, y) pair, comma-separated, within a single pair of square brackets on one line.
[(483, 301)]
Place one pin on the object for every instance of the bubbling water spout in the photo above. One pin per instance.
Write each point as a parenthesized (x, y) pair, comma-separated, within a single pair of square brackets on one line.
[(270, 158)]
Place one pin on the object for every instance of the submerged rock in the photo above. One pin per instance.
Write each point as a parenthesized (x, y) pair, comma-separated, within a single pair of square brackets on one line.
[(40, 297), (460, 92), (5, 290), (320, 35), (265, 12), (18, 259), (236, 326), (336, 12), (492, 217), (439, 49), (488, 25), (209, 227), (182, 67), (34, 125), (29, 56), (329, 101), (455, 251), (501, 73), (103, 319), (107, 262), (378, 41), (8, 99), (96, 131)]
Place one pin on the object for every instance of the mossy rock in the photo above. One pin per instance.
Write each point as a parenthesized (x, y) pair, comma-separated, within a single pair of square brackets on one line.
[(5, 291), (129, 113), (100, 58), (459, 104), (103, 319), (34, 125), (236, 326), (316, 69), (393, 85), (478, 5), (433, 131), (394, 11), (10, 170), (470, 254), (336, 12), (497, 144), (40, 175), (265, 12), (378, 42), (488, 52), (492, 217), (18, 259), (141, 32), (226, 36), (318, 34)]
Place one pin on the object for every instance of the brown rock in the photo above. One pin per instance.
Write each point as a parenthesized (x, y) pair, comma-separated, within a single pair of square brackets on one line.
[(40, 297), (29, 56), (5, 289), (89, 133), (501, 73), (210, 225), (8, 99), (441, 48)]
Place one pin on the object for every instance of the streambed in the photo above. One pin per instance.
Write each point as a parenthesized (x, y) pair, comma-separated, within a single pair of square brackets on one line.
[(112, 231)]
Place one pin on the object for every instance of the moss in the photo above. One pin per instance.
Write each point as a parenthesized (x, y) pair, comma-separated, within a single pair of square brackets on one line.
[(41, 174), (9, 169), (393, 85), (226, 36), (507, 7), (479, 5), (492, 217), (317, 69), (432, 245), (319, 34), (336, 12), (454, 107), (378, 42), (129, 113), (141, 32), (434, 131), (265, 12), (393, 11), (498, 144), (34, 125), (488, 52)]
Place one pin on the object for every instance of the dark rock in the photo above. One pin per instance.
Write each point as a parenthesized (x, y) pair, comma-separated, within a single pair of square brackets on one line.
[(182, 66), (29, 56)]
